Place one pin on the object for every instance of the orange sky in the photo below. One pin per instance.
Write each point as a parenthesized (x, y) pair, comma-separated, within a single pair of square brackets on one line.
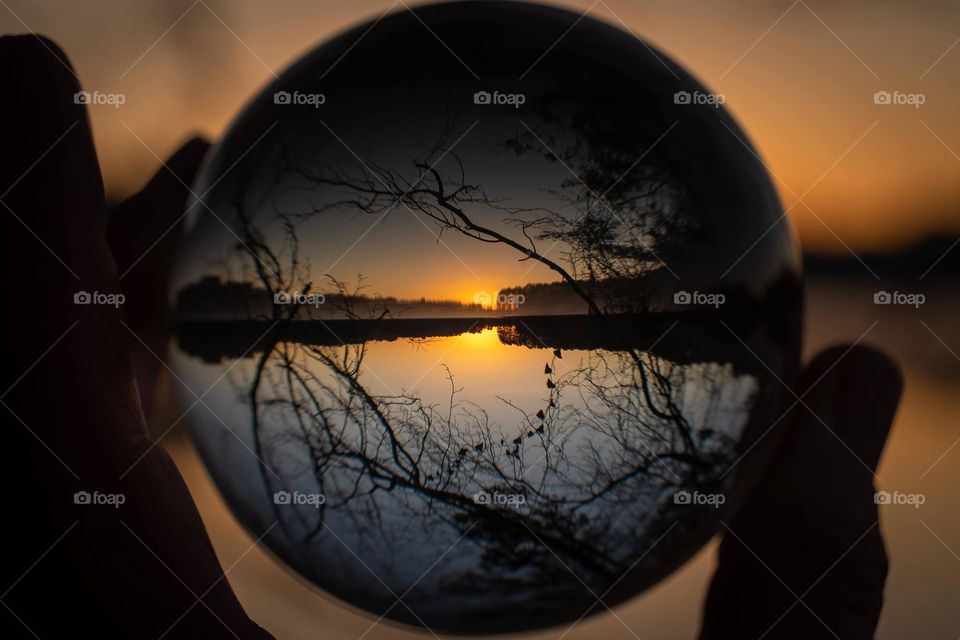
[(871, 176)]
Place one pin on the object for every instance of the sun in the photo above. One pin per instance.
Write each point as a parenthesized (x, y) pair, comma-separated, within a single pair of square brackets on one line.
[(484, 340)]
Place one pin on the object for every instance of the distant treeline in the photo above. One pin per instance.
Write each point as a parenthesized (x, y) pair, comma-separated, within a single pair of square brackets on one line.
[(937, 257), (212, 298)]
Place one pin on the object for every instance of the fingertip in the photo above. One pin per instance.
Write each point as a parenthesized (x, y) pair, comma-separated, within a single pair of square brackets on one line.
[(175, 176), (821, 366), (54, 169), (33, 49), (874, 366), (855, 390), (866, 401), (28, 57), (186, 161)]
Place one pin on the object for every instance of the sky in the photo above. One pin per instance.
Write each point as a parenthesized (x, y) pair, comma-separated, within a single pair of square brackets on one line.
[(800, 76)]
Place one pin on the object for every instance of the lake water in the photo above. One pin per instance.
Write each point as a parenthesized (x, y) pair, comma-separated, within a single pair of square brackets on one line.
[(398, 437)]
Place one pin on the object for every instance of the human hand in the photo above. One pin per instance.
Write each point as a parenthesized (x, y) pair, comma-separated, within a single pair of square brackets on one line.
[(804, 558), (74, 390)]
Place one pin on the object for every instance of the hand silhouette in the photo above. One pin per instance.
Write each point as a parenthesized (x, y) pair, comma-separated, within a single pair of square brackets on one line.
[(73, 419), (803, 559)]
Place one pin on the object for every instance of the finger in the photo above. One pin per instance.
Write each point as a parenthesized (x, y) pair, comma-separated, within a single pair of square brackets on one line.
[(67, 392), (55, 231), (46, 124), (829, 454), (143, 229), (804, 557), (143, 234)]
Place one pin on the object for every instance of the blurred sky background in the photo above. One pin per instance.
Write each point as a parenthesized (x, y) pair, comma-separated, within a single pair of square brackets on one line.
[(800, 76), (857, 178)]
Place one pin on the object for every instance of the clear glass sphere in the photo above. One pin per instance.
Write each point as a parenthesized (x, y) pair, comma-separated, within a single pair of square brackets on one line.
[(491, 309)]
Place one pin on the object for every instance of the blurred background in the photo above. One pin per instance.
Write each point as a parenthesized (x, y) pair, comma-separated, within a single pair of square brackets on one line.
[(852, 106)]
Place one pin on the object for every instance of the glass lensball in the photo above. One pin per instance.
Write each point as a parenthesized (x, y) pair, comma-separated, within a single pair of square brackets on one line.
[(486, 312)]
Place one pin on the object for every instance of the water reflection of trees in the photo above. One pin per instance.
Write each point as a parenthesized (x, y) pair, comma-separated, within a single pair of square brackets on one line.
[(589, 455), (596, 463)]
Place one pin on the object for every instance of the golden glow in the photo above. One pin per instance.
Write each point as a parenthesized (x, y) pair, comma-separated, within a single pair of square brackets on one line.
[(484, 340), (873, 190), (483, 298)]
